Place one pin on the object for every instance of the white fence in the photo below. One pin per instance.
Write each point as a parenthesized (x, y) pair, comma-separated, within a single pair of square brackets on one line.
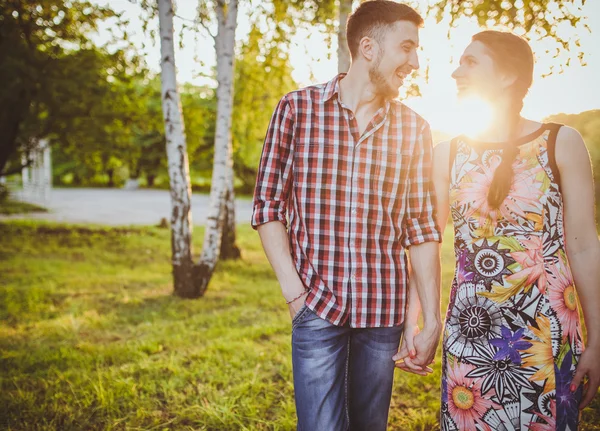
[(36, 179)]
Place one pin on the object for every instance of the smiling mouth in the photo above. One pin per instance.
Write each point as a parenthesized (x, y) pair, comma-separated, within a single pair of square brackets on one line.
[(400, 74)]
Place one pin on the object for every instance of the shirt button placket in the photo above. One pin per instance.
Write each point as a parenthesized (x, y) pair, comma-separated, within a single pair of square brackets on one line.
[(354, 255), (351, 234)]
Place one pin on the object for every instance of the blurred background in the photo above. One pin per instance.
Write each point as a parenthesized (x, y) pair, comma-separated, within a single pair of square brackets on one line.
[(97, 159)]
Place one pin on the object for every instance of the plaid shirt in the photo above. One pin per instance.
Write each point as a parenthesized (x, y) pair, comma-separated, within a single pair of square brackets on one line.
[(355, 203)]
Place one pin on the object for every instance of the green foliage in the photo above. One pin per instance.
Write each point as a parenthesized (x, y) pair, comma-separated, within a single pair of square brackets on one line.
[(134, 147), (199, 105), (538, 19), (95, 136), (92, 338), (52, 74), (103, 113), (261, 61), (137, 149)]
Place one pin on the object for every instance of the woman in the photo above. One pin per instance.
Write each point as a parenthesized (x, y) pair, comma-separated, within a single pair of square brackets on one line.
[(522, 202)]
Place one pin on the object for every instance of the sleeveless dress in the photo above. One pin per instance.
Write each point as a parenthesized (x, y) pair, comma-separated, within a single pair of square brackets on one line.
[(512, 335)]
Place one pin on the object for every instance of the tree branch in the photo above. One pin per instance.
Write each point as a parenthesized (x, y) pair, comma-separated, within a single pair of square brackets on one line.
[(210, 33), (16, 170)]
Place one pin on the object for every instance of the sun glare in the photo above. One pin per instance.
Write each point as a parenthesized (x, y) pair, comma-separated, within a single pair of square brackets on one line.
[(473, 115)]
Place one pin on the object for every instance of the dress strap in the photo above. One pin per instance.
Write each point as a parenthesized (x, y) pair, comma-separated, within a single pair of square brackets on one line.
[(554, 128)]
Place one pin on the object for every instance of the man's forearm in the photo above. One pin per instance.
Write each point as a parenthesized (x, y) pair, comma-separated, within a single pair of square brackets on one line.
[(275, 242), (426, 273)]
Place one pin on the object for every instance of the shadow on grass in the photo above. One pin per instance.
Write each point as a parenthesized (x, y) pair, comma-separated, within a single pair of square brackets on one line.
[(10, 207)]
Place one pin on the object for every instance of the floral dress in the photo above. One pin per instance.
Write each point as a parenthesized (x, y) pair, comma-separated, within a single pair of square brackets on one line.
[(512, 336)]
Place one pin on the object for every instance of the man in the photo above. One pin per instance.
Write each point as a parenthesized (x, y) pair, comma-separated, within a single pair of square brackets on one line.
[(350, 168)]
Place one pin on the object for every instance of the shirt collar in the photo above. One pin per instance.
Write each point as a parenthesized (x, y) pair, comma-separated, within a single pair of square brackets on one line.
[(332, 88)]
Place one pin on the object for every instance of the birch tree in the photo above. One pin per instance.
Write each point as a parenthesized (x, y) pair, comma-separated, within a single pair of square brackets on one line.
[(179, 178), (221, 210)]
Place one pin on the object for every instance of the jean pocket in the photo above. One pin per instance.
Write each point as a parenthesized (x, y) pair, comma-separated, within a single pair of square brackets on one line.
[(299, 315)]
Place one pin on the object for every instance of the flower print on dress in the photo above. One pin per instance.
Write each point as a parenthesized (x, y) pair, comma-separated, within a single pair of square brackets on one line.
[(473, 194), (466, 404), (471, 322), (540, 354), (533, 397), (563, 299), (552, 236), (532, 264), (567, 402), (545, 403), (489, 263), (504, 376), (510, 344), (527, 228), (548, 421), (462, 267), (447, 422), (512, 412), (532, 271), (491, 158)]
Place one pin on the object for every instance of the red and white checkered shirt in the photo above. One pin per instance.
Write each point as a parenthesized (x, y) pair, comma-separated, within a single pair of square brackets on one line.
[(355, 203)]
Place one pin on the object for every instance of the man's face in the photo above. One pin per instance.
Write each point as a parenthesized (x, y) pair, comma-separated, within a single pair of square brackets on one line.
[(396, 58)]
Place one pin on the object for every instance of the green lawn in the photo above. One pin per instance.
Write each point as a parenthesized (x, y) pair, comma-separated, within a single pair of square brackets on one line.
[(10, 206), (92, 339)]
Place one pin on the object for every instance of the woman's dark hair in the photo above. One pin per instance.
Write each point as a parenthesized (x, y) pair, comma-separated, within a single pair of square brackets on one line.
[(372, 17), (511, 54)]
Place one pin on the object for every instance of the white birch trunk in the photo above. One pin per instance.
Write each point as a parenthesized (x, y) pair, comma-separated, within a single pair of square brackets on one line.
[(179, 178), (342, 51), (223, 159)]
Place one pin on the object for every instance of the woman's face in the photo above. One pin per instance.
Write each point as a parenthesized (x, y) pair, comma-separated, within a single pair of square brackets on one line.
[(477, 74)]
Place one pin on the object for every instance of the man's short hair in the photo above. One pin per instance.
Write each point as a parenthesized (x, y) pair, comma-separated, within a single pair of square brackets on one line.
[(373, 17)]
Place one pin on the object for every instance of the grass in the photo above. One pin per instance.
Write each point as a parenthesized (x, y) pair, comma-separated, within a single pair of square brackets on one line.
[(91, 338), (10, 206)]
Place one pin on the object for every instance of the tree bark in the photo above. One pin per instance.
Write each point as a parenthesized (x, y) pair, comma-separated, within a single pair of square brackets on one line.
[(11, 118), (111, 177), (229, 250), (342, 51), (223, 158), (179, 178), (150, 180)]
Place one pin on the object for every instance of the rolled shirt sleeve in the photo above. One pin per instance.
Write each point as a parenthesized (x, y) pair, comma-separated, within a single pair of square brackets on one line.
[(419, 224), (273, 181)]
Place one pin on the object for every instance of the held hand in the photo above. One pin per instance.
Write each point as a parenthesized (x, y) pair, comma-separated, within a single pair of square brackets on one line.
[(406, 353), (588, 366), (426, 343)]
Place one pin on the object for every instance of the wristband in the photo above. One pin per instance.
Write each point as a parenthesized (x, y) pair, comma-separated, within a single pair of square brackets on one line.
[(292, 300)]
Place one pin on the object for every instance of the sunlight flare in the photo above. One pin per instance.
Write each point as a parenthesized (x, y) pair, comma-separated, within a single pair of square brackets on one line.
[(474, 115)]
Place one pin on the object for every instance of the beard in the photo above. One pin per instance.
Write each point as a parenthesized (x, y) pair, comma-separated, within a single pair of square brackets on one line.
[(382, 87)]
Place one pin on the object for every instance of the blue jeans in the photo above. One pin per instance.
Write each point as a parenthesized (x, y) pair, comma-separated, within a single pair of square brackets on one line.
[(342, 376)]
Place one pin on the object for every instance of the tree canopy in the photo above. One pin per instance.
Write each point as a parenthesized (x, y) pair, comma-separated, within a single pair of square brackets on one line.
[(100, 107)]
